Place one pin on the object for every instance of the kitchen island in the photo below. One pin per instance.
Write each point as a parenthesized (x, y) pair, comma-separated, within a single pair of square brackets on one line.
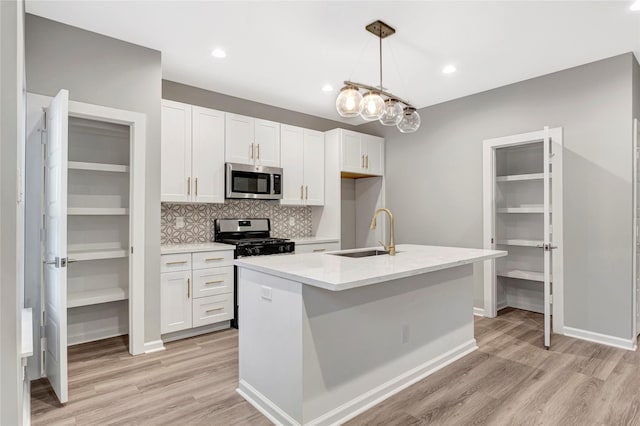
[(324, 337)]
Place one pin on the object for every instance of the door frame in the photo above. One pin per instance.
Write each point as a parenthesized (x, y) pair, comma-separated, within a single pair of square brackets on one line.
[(488, 201), (634, 267), (137, 207)]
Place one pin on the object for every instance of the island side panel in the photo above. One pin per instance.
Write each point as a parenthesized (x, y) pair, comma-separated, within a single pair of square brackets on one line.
[(270, 344), (362, 345)]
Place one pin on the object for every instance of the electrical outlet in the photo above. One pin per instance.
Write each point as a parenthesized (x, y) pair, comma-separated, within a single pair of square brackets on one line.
[(292, 221), (266, 292), (179, 222)]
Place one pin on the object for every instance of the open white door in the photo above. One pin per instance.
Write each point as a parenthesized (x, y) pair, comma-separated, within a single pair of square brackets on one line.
[(547, 237), (55, 246)]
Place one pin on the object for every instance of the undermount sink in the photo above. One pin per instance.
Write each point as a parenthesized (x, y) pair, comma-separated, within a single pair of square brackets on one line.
[(364, 253)]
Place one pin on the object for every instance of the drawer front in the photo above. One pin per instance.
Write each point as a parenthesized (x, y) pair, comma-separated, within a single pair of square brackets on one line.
[(317, 248), (212, 259), (212, 309), (175, 262), (209, 282)]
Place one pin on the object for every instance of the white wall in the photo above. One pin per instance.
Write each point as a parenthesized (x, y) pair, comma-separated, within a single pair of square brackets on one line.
[(434, 183), (11, 137)]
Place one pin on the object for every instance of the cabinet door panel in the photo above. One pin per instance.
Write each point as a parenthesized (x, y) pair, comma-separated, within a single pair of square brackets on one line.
[(314, 167), (374, 151), (176, 151), (175, 301), (351, 152), (292, 148), (239, 139), (208, 155), (267, 140)]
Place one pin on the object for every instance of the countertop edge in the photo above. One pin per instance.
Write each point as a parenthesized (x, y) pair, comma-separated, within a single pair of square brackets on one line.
[(364, 282), (194, 248)]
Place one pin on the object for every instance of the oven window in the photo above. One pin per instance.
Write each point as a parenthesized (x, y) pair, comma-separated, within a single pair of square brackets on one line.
[(250, 182)]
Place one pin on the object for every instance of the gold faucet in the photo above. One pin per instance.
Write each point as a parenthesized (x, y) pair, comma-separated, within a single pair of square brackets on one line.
[(392, 243)]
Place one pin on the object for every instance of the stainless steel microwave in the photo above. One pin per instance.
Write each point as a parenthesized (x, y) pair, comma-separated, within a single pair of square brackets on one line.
[(258, 182)]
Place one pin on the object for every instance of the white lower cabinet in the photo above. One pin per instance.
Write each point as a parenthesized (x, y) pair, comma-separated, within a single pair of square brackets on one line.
[(199, 293), (317, 247)]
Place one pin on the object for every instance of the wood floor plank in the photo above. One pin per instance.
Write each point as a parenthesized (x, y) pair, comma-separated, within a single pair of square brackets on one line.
[(510, 380)]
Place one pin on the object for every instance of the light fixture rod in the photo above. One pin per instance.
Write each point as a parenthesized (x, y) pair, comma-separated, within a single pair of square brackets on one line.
[(382, 92), (380, 37)]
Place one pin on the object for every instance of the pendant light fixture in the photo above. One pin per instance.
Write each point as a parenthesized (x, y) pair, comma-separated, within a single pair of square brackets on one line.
[(377, 104)]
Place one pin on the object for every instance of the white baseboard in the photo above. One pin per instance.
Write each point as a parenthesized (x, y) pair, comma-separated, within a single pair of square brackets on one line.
[(153, 346), (95, 335), (604, 339), (192, 332), (363, 402), (479, 312)]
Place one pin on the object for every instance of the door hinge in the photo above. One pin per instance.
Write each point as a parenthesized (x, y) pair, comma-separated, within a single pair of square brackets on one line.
[(551, 299), (491, 240), (41, 234), (131, 249)]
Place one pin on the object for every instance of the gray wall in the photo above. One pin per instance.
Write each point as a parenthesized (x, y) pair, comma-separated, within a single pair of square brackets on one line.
[(105, 71), (193, 95), (434, 178), (11, 133)]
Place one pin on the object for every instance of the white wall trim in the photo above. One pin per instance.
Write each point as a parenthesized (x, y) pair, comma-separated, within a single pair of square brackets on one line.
[(363, 402), (479, 312), (604, 339), (153, 346)]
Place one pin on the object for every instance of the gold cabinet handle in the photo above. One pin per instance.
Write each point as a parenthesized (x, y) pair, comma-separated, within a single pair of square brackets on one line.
[(177, 262), (307, 195), (189, 185), (213, 282), (188, 288), (252, 151), (363, 161), (213, 259), (214, 310), (367, 157), (302, 192), (258, 151), (319, 250), (196, 187)]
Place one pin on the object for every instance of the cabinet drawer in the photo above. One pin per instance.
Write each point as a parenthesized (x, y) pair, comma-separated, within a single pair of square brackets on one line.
[(175, 262), (212, 309), (209, 282), (212, 259), (317, 248)]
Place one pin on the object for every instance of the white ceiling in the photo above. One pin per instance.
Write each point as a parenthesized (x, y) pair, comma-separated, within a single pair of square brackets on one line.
[(282, 53)]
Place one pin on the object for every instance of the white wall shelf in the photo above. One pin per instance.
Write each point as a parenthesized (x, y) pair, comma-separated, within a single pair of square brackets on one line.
[(521, 243), (94, 297), (98, 167), (514, 178), (522, 275), (79, 254), (94, 211), (527, 209)]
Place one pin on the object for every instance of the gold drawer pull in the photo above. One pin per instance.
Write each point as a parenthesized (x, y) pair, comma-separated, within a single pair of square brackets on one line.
[(214, 310), (177, 262), (214, 282), (318, 250), (211, 259)]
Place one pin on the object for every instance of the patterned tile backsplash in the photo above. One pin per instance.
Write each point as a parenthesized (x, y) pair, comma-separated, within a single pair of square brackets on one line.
[(198, 219)]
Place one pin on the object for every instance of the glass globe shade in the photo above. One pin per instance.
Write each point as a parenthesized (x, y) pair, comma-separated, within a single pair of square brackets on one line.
[(349, 101), (410, 121), (392, 113), (372, 106)]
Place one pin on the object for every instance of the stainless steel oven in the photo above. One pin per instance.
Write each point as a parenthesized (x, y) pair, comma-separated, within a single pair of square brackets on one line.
[(259, 182)]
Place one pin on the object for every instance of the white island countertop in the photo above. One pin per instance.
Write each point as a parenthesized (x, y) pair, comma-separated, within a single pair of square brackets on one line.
[(337, 273)]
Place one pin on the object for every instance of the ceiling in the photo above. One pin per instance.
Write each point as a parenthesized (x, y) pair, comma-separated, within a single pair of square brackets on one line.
[(282, 53)]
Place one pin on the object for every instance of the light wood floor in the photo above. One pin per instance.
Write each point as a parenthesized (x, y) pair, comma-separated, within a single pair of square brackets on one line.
[(509, 380)]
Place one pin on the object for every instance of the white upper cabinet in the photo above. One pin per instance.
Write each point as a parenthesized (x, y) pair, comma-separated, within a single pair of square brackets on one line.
[(192, 153), (207, 155), (362, 154), (303, 166), (252, 141), (176, 151)]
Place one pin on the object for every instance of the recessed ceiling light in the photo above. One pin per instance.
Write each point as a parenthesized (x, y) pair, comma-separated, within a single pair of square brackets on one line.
[(219, 53), (327, 88), (635, 6), (449, 69)]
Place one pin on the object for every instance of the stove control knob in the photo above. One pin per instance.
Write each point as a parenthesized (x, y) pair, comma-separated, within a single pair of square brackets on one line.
[(281, 249)]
